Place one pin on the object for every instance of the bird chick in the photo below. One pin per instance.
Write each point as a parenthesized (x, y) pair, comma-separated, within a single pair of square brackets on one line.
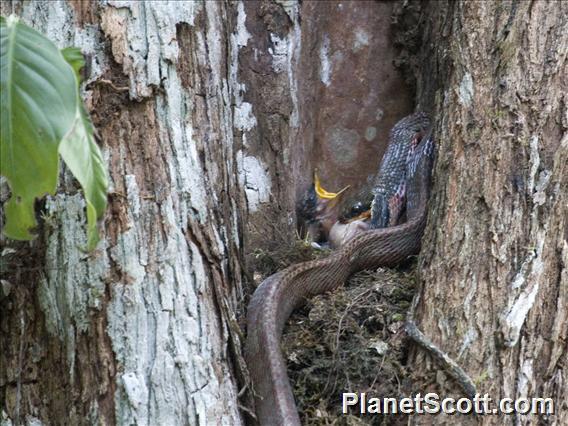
[(340, 233)]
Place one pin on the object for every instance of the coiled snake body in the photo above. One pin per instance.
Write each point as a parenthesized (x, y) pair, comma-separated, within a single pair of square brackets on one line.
[(409, 169)]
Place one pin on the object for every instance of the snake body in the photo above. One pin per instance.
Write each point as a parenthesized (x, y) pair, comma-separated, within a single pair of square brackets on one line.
[(278, 295)]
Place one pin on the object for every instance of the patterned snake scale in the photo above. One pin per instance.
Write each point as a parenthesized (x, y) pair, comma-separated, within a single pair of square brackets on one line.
[(405, 169)]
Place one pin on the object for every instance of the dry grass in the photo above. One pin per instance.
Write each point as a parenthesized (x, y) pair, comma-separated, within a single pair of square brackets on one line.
[(265, 263), (350, 340)]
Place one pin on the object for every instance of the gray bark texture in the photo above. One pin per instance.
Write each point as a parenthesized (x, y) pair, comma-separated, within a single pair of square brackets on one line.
[(212, 117), (140, 331)]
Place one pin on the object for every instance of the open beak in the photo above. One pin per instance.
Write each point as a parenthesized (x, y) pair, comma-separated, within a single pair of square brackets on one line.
[(363, 216), (322, 193), (326, 201)]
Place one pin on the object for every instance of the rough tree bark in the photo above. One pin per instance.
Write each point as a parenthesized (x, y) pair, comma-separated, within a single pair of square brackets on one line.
[(212, 116), (494, 268), (141, 330)]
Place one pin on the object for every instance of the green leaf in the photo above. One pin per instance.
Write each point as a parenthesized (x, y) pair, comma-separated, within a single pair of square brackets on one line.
[(74, 57), (38, 103), (42, 114), (83, 157)]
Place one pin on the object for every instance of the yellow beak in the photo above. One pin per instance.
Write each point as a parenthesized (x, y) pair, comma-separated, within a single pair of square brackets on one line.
[(322, 193)]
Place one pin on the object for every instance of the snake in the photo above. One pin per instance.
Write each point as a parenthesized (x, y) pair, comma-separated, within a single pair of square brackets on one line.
[(403, 184)]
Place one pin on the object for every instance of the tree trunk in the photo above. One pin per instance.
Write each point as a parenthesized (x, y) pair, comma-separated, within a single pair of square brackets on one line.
[(142, 330), (212, 117), (494, 263)]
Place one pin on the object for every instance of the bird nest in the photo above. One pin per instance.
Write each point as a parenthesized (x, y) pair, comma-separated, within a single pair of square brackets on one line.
[(348, 340)]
